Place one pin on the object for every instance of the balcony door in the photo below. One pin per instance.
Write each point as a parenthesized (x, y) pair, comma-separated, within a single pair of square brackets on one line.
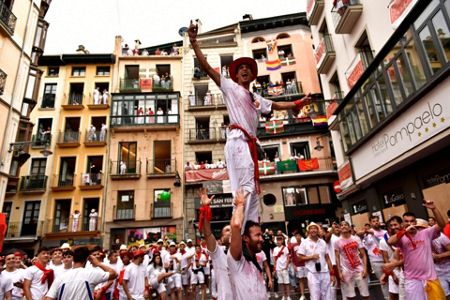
[(89, 206), (125, 205), (61, 216), (162, 157), (128, 154), (66, 171), (30, 218)]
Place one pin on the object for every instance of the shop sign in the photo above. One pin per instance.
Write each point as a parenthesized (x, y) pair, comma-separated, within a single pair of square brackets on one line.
[(439, 178), (359, 207), (398, 10), (220, 201), (345, 175), (393, 198), (425, 119)]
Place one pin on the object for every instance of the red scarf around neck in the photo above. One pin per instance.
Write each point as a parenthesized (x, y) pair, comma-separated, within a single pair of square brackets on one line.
[(48, 275)]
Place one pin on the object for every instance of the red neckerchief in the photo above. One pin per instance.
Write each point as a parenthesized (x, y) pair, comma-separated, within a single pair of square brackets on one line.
[(182, 251), (205, 212), (121, 275), (251, 141), (48, 275)]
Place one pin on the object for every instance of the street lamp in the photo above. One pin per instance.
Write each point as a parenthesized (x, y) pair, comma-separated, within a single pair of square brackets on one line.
[(23, 156)]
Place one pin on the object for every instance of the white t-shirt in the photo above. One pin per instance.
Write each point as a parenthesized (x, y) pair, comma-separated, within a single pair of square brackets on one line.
[(349, 257), (78, 283), (372, 245), (6, 285), (261, 257), (199, 261), (16, 276), (282, 260), (57, 269), (247, 280), (308, 248), (38, 289), (241, 108), (136, 277), (222, 273), (330, 247)]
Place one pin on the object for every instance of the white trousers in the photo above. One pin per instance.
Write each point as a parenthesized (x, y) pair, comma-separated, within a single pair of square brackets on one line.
[(319, 285), (240, 170)]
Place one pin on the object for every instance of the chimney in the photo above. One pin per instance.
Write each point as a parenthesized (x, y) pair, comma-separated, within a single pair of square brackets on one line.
[(248, 17)]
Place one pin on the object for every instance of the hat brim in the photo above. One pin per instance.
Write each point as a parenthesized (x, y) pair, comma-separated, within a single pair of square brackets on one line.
[(243, 61)]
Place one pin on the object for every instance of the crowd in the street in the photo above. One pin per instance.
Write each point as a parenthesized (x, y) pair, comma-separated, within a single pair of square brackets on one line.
[(411, 259)]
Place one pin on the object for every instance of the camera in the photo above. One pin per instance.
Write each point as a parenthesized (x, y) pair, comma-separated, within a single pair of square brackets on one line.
[(318, 266)]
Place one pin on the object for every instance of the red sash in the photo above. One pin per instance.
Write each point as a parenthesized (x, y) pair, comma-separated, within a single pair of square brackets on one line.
[(280, 253), (251, 141)]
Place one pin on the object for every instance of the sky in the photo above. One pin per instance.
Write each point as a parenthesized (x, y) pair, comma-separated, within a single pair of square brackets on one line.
[(95, 23)]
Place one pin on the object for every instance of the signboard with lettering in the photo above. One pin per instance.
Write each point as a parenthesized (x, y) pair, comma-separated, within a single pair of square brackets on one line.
[(354, 71), (398, 10), (394, 197), (437, 178), (422, 121), (359, 207), (345, 175), (224, 200)]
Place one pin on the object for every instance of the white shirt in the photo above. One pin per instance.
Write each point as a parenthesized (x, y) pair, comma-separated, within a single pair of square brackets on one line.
[(372, 244), (222, 273), (57, 269), (199, 261), (330, 247), (38, 290), (15, 276), (261, 257), (78, 283), (282, 260), (6, 285), (136, 277), (308, 248), (247, 280)]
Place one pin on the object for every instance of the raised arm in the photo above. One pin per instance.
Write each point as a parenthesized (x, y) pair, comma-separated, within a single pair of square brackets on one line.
[(440, 221), (236, 225), (96, 263), (192, 31), (206, 201), (297, 104)]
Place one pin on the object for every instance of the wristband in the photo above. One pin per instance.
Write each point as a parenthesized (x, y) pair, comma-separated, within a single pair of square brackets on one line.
[(331, 273), (400, 233), (205, 212), (387, 273)]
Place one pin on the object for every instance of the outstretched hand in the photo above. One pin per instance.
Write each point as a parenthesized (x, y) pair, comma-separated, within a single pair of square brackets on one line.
[(203, 194), (240, 197), (429, 204), (192, 31)]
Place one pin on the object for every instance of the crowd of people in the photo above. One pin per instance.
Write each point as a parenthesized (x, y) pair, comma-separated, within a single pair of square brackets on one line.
[(219, 164)]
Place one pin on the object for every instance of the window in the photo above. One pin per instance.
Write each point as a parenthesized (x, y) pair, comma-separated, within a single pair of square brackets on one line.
[(48, 100), (38, 166), (198, 70), (272, 151), (293, 196), (200, 93), (44, 133), (364, 50), (61, 217), (66, 174), (7, 207), (269, 199), (161, 203), (285, 51), (53, 71), (78, 71), (203, 157), (89, 205), (30, 219), (103, 70), (125, 205), (283, 36), (162, 158), (71, 131), (94, 168), (258, 39), (300, 149), (128, 155), (260, 54), (202, 131), (76, 94)]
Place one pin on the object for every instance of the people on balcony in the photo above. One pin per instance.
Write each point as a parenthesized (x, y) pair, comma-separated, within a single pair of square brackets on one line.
[(122, 168), (157, 51), (219, 164), (341, 6), (191, 99), (150, 114), (93, 220), (156, 79), (175, 50), (92, 136), (140, 115), (96, 95), (207, 100), (75, 217), (160, 113), (105, 96), (103, 130)]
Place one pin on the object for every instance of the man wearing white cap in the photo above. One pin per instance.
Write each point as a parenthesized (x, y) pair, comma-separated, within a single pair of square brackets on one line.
[(184, 259), (162, 251), (244, 109), (173, 265), (313, 251)]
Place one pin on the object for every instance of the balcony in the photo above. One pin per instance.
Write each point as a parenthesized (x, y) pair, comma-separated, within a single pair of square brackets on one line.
[(39, 140), (13, 185), (333, 105), (74, 101), (20, 231), (33, 184), (95, 138), (161, 168), (280, 92), (198, 74), (206, 136), (209, 102), (123, 214), (302, 167), (100, 103), (159, 121), (3, 77), (7, 18), (91, 181), (130, 85), (68, 139), (162, 210), (163, 85), (314, 9), (122, 171), (69, 227), (345, 14), (62, 182), (325, 55)]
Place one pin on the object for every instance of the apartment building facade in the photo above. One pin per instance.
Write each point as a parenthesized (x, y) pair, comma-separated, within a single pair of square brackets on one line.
[(145, 197), (390, 131)]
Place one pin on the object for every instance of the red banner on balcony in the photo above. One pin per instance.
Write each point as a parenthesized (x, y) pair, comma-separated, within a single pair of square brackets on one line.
[(399, 9), (206, 175), (331, 108), (3, 228), (308, 164), (354, 72), (345, 175), (266, 168), (275, 126), (146, 83), (320, 52)]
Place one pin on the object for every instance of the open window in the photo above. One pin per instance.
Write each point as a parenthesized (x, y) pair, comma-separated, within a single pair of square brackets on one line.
[(202, 128), (260, 54), (203, 156), (76, 93), (66, 171), (163, 163), (301, 150), (272, 151)]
